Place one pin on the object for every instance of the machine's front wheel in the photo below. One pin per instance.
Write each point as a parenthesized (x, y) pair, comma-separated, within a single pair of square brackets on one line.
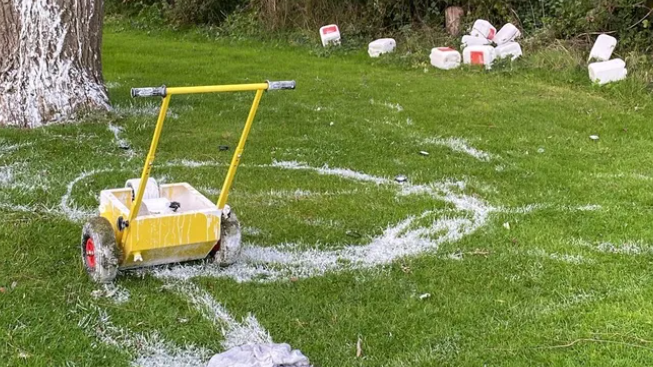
[(230, 246), (100, 252)]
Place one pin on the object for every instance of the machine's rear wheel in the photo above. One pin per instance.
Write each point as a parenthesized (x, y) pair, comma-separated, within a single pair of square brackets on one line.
[(100, 252), (229, 247)]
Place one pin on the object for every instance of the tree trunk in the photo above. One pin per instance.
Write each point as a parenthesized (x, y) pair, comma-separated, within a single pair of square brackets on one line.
[(50, 65), (453, 15)]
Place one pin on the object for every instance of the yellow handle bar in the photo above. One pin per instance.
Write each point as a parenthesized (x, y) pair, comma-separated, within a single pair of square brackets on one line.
[(164, 91)]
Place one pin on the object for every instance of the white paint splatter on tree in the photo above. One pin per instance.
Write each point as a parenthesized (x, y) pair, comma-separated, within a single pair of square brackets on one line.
[(50, 70)]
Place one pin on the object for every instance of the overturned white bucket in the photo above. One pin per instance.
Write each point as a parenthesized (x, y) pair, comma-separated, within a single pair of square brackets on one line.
[(330, 34), (381, 46), (479, 55), (507, 33), (445, 58), (474, 41), (510, 49), (604, 72), (603, 47), (483, 28)]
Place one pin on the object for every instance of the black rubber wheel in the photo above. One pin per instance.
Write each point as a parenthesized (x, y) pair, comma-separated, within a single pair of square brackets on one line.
[(100, 252), (229, 247)]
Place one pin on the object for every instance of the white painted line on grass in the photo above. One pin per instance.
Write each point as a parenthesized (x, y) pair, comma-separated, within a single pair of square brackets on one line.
[(624, 248), (393, 106), (68, 207), (149, 350), (249, 331), (406, 238), (326, 170), (6, 149), (460, 145)]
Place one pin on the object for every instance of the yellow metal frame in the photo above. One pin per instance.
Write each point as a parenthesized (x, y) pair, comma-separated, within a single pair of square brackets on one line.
[(149, 161)]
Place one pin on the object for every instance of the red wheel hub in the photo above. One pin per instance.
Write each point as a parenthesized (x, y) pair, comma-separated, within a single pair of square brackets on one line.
[(90, 253), (216, 248)]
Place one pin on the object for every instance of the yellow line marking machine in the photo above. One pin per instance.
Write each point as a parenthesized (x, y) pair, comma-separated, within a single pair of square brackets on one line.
[(144, 224)]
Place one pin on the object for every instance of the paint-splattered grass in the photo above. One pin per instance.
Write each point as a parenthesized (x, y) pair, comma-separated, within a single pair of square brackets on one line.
[(533, 241)]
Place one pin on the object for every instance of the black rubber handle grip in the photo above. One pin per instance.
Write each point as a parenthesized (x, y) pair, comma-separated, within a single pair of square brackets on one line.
[(149, 92), (287, 84)]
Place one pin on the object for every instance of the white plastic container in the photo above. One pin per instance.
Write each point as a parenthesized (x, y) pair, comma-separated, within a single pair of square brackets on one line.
[(479, 55), (483, 28), (507, 33), (381, 46), (604, 72), (474, 41), (510, 49), (330, 34), (445, 58), (603, 47)]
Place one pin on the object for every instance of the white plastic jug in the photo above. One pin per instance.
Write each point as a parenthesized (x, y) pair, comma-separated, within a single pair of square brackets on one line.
[(445, 58), (507, 33), (381, 46), (603, 47), (330, 34), (479, 55), (474, 41), (483, 28), (510, 49), (604, 72)]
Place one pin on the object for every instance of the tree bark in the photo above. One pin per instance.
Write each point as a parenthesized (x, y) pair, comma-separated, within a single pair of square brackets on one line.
[(50, 64), (453, 15)]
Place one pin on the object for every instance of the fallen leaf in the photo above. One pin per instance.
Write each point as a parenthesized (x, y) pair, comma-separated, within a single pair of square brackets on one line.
[(359, 348), (479, 252), (294, 279)]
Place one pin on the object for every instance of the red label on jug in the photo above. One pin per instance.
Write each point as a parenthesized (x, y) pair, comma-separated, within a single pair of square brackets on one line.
[(328, 30), (478, 58)]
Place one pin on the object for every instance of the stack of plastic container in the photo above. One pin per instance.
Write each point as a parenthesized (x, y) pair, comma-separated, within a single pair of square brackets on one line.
[(477, 49), (604, 70), (505, 41)]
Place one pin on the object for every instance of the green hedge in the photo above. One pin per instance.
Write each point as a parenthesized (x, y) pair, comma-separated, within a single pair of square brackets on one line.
[(629, 20)]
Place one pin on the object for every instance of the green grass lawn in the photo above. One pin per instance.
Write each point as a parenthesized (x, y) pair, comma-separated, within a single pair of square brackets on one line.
[(534, 240)]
